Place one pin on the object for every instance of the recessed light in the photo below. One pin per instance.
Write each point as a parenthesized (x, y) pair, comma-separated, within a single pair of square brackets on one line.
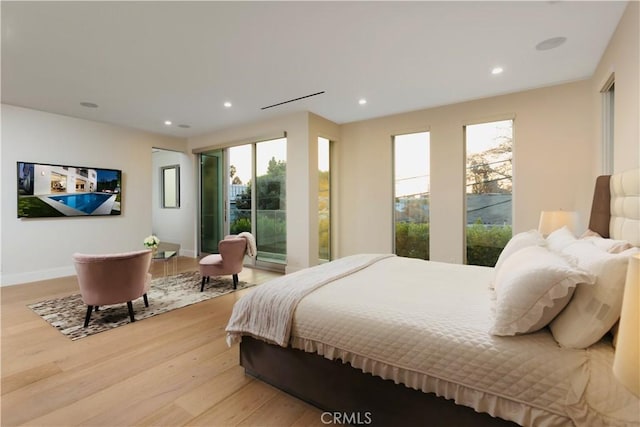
[(362, 101), (551, 43), (497, 70), (184, 126), (167, 122), (227, 104), (89, 104)]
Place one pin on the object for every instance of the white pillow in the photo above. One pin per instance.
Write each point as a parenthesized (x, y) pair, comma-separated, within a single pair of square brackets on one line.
[(560, 239), (532, 287), (612, 246), (517, 242), (593, 310)]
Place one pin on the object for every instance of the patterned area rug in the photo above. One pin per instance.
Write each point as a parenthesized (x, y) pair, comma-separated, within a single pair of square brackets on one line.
[(67, 314)]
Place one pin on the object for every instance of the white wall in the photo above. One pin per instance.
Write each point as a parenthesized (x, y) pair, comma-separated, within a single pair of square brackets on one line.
[(174, 225), (622, 58), (36, 249)]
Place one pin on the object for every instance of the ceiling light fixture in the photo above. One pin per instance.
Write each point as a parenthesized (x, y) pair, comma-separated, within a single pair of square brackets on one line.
[(551, 43), (362, 101), (167, 122), (89, 104), (227, 104), (497, 70), (184, 126)]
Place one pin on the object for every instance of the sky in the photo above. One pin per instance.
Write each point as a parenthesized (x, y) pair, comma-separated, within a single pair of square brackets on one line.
[(412, 158), (240, 156)]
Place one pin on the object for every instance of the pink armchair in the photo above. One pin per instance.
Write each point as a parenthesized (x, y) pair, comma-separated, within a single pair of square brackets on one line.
[(232, 250), (113, 279)]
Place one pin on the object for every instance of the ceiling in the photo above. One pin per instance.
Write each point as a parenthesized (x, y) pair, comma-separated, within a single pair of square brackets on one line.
[(146, 62)]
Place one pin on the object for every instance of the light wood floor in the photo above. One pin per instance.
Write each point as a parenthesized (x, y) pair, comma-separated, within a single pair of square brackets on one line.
[(173, 369)]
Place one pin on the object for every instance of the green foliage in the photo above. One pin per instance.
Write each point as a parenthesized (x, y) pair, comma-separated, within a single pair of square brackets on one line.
[(271, 188), (324, 215), (412, 240), (485, 243), (323, 225), (240, 225)]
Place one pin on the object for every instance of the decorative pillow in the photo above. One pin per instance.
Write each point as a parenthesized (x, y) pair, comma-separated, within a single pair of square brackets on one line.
[(590, 233), (560, 239), (612, 246), (593, 310), (517, 242), (532, 287)]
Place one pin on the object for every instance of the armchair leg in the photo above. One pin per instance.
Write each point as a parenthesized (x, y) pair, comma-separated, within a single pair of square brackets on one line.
[(202, 285), (146, 300), (235, 281), (88, 316), (130, 307)]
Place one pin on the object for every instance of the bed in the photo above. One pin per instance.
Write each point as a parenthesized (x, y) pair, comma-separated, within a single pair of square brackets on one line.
[(444, 350)]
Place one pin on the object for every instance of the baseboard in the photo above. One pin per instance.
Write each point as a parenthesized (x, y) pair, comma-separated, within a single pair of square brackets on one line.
[(34, 276), (53, 273)]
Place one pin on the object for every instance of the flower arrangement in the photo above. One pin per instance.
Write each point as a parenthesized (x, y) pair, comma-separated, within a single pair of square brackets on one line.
[(151, 242)]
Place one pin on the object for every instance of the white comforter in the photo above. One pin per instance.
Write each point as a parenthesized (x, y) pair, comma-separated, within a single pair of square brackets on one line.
[(267, 312), (424, 324)]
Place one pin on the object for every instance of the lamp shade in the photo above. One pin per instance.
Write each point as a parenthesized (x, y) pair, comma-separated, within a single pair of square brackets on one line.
[(626, 363), (553, 220)]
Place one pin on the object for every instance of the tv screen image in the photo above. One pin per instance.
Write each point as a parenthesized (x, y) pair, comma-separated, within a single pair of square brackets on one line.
[(46, 190)]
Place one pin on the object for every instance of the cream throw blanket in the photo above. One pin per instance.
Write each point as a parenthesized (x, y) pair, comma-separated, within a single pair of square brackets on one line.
[(267, 312), (251, 244)]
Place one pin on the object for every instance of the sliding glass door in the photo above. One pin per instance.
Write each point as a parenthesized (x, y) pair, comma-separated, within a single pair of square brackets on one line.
[(239, 189), (271, 200), (211, 201), (252, 180)]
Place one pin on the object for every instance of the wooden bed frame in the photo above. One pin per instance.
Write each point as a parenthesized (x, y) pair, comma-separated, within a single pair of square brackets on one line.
[(334, 386)]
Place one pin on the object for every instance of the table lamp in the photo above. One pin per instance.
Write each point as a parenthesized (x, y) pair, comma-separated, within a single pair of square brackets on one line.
[(626, 362), (553, 220)]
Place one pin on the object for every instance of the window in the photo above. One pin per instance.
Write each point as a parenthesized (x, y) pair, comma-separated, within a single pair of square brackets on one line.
[(324, 200), (488, 190), (608, 101), (411, 198)]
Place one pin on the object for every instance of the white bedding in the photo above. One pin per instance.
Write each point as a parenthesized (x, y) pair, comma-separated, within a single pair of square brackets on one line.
[(425, 324), (267, 313)]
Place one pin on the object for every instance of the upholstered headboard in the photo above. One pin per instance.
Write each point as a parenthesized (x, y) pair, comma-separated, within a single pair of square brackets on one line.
[(601, 206), (625, 206), (615, 211)]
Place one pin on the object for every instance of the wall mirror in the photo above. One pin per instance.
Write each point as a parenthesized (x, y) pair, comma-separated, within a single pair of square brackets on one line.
[(170, 186)]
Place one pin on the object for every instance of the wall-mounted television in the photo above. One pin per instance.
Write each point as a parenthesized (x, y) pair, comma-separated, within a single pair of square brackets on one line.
[(48, 190)]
